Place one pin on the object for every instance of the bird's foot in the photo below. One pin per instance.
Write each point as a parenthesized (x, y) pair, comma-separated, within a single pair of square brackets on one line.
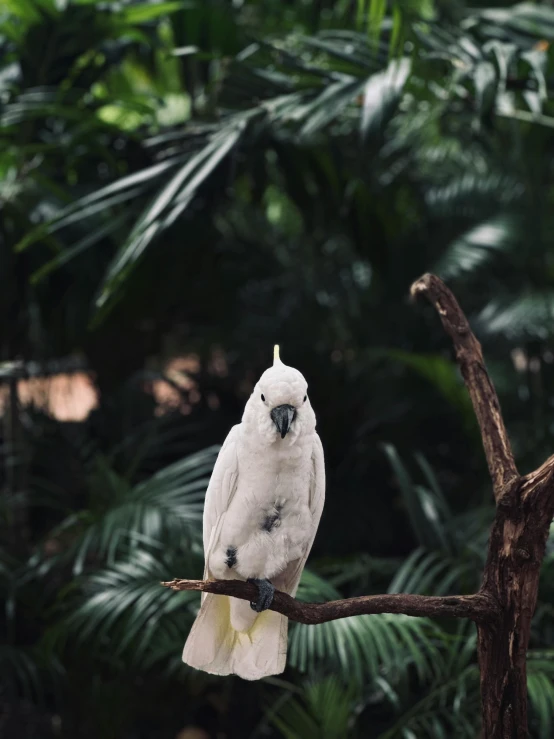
[(265, 594)]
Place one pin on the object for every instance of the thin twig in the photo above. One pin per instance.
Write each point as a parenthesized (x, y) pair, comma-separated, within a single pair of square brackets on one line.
[(479, 607), (498, 450)]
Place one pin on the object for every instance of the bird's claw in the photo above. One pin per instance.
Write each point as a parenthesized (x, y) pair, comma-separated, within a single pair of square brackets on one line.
[(265, 594)]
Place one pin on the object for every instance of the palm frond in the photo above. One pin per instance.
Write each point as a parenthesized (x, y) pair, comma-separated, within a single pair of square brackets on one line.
[(124, 612), (382, 95), (361, 571), (468, 195), (444, 375), (427, 508), (540, 688), (524, 317), (301, 108), (360, 647), (478, 246), (324, 710), (451, 703), (166, 507), (431, 573)]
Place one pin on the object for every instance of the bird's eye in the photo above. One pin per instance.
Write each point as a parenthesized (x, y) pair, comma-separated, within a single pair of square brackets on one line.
[(263, 397), (305, 398)]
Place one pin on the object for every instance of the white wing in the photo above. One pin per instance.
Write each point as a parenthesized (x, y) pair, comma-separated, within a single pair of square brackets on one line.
[(221, 489), (288, 580)]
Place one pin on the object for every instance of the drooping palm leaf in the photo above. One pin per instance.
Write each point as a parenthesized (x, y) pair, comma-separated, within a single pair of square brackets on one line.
[(124, 611), (168, 506), (359, 647), (540, 688), (324, 711)]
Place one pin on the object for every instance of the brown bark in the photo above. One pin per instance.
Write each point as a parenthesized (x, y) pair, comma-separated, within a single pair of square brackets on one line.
[(498, 451), (516, 550), (525, 506), (504, 606), (479, 607)]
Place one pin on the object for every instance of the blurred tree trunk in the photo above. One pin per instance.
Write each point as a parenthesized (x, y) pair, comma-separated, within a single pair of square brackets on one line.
[(14, 503)]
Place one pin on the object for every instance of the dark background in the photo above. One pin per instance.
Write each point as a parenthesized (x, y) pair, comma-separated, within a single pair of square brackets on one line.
[(184, 184)]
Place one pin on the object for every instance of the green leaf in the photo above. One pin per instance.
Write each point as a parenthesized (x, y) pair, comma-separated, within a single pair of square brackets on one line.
[(361, 13), (123, 608), (358, 647), (540, 687), (504, 54), (397, 30), (377, 10), (323, 711), (382, 95), (176, 194), (424, 532), (85, 243), (167, 506), (475, 248), (484, 76), (526, 18), (429, 573), (353, 53), (26, 10), (538, 62), (444, 375), (145, 12), (329, 105), (116, 192), (528, 315)]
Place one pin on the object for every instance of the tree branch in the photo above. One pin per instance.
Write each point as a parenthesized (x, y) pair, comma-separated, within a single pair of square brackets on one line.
[(479, 607), (498, 450), (537, 488)]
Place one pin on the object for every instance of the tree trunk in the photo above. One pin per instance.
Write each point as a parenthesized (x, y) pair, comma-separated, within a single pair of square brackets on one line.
[(16, 520), (516, 550), (524, 509)]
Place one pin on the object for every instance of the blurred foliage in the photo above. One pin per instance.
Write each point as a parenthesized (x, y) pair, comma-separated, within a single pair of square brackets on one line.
[(204, 178)]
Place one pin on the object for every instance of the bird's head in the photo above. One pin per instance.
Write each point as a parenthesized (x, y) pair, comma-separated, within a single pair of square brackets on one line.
[(279, 407)]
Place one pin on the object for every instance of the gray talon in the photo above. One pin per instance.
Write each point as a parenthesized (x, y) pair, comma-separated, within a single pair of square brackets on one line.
[(265, 594)]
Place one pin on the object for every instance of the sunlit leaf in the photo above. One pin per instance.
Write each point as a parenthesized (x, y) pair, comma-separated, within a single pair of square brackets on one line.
[(475, 248), (382, 94)]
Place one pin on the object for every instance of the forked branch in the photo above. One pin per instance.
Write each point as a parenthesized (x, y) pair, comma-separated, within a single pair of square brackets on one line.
[(498, 450), (479, 607)]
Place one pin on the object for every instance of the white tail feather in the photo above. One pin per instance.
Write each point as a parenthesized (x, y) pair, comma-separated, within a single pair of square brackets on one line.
[(241, 615), (214, 646)]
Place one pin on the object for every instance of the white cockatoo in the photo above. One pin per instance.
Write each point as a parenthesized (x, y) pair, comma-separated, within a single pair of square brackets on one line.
[(261, 514)]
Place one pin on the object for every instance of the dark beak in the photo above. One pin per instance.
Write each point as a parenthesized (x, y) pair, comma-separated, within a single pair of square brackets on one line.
[(282, 416)]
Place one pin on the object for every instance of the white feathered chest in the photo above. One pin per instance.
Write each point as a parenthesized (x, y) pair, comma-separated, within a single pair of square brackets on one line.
[(268, 523)]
